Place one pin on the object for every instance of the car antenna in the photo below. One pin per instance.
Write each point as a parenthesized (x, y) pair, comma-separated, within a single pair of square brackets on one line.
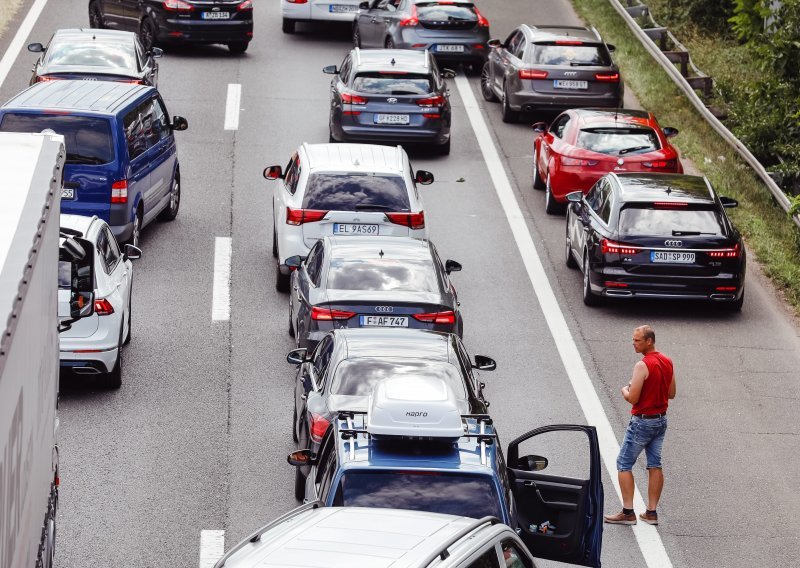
[(393, 61), (381, 253)]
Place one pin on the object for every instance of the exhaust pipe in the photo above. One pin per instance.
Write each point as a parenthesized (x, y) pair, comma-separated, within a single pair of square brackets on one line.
[(723, 296), (85, 371), (619, 293)]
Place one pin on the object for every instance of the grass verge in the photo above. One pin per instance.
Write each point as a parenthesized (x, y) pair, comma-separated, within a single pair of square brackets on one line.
[(7, 10), (769, 233)]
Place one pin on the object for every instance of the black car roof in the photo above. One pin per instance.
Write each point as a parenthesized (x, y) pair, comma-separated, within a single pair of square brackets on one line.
[(368, 247), (101, 97), (553, 33), (644, 188), (407, 60), (106, 36), (387, 342)]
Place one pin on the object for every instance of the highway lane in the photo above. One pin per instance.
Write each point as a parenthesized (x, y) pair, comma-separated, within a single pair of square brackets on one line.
[(197, 436)]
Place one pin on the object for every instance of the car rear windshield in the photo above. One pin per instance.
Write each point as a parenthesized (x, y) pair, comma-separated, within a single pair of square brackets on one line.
[(88, 139), (618, 141), (641, 222), (346, 191), (431, 491), (446, 12), (392, 84), (576, 55), (356, 377), (382, 275), (92, 54)]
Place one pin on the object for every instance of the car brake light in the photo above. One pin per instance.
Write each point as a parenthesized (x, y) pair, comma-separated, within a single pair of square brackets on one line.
[(297, 1), (532, 74), (319, 425), (567, 161), (410, 220), (607, 77), (612, 284), (670, 204), (325, 314), (725, 253), (569, 42), (660, 164), (482, 22), (428, 102), (412, 20), (177, 6), (103, 307), (448, 317), (431, 115), (611, 247), (725, 288), (300, 216), (246, 5), (351, 99), (45, 78), (119, 191)]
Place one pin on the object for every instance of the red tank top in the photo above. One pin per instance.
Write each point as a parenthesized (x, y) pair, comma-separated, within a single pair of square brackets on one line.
[(655, 391)]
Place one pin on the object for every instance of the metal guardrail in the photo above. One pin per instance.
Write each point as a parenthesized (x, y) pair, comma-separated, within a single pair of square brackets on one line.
[(689, 90)]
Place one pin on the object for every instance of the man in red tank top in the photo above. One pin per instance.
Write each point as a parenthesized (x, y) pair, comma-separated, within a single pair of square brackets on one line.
[(651, 388)]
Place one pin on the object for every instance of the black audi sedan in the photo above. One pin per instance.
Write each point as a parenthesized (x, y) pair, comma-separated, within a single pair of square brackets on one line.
[(655, 236), (105, 55), (371, 282), (341, 371), (161, 22)]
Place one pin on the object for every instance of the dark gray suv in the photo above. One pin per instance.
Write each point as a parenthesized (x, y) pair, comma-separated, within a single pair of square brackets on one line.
[(551, 68), (390, 95), (451, 30)]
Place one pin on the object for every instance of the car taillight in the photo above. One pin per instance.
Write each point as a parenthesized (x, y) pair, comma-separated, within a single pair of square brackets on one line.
[(297, 1), (482, 22), (567, 161), (300, 216), (448, 317), (119, 191), (667, 164), (532, 74), (45, 78), (569, 42), (319, 425), (412, 20), (177, 6), (103, 307), (351, 99), (670, 204), (429, 102), (725, 253), (611, 247), (607, 77), (246, 5), (410, 220), (325, 314)]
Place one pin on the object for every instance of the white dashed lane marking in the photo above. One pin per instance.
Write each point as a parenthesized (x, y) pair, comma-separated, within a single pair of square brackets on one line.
[(212, 546), (232, 104), (221, 295)]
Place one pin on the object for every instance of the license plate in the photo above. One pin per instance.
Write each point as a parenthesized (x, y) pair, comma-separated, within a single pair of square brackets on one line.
[(566, 84), (676, 257), (339, 8), (216, 15), (383, 321), (450, 48), (67, 193), (353, 229), (392, 119)]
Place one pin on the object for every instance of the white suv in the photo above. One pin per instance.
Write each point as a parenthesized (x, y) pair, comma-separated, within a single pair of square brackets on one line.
[(343, 189), (294, 11)]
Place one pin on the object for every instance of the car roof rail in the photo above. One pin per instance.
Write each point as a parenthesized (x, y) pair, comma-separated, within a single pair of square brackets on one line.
[(256, 536), (443, 552), (358, 56)]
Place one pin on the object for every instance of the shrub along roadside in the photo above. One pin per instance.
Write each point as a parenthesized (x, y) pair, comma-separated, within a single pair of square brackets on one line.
[(769, 233)]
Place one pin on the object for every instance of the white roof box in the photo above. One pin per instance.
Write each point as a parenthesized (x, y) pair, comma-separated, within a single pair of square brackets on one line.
[(417, 407)]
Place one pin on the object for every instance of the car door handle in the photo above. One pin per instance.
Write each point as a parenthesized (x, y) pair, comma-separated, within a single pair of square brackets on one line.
[(564, 506)]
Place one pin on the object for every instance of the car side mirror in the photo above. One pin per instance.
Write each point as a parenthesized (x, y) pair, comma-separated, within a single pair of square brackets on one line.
[(494, 43), (300, 457), (132, 252), (179, 123), (424, 177), (297, 356), (447, 73), (79, 254), (35, 47), (273, 172), (728, 202), (452, 266), (669, 132), (532, 463), (363, 6), (484, 363), (575, 196), (611, 47), (539, 127), (295, 261), (330, 70), (156, 52)]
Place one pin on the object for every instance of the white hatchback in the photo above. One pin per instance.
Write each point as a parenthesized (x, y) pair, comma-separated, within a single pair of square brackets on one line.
[(93, 345), (294, 11), (341, 190)]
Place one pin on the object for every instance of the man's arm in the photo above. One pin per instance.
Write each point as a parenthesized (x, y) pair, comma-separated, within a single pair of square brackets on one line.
[(633, 390), (673, 389)]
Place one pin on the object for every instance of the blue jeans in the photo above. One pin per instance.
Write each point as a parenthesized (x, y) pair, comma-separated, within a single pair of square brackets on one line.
[(642, 434)]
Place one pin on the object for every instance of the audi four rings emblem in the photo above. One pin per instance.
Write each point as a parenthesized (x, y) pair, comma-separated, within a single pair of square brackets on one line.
[(673, 244), (384, 309), (391, 101)]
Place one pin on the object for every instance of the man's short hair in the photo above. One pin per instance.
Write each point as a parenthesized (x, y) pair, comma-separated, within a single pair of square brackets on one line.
[(647, 332)]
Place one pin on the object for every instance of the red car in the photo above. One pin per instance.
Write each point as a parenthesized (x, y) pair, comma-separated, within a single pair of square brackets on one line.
[(581, 145)]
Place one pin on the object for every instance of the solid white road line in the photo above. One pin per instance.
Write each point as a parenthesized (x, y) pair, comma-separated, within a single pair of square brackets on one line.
[(646, 535), (212, 547), (16, 45), (221, 296), (232, 104)]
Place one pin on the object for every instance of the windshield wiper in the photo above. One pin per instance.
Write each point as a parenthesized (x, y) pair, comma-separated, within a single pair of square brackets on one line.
[(78, 159), (633, 149), (368, 207), (689, 233)]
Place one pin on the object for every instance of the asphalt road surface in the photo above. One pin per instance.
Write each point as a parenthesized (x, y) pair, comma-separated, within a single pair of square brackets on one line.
[(196, 438)]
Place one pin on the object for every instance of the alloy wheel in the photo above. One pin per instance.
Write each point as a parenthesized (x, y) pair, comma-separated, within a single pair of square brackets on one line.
[(486, 84)]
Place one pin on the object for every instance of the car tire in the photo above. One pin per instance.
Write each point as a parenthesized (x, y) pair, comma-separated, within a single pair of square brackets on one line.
[(389, 43), (238, 47), (281, 280), (130, 317), (136, 233), (331, 139), (274, 243), (443, 149), (291, 325), (356, 37), (113, 379), (288, 26), (569, 258), (735, 306), (299, 484), (589, 298), (171, 210), (96, 16), (510, 116), (148, 34), (538, 183), (551, 206), (486, 85), (295, 437)]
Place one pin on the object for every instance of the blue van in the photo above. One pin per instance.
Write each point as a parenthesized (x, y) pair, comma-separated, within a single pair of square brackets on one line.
[(122, 162)]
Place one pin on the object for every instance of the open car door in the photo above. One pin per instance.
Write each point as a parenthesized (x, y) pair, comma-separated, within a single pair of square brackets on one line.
[(570, 508)]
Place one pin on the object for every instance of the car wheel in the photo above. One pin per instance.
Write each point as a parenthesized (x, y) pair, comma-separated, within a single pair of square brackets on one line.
[(295, 437), (288, 26), (331, 139), (389, 43), (281, 280), (356, 36), (114, 378), (443, 149), (537, 177), (274, 243), (96, 16), (735, 306), (130, 317), (589, 298), (171, 210), (238, 47), (509, 116), (148, 34), (486, 84), (569, 259), (291, 326), (551, 206), (136, 233), (299, 484)]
